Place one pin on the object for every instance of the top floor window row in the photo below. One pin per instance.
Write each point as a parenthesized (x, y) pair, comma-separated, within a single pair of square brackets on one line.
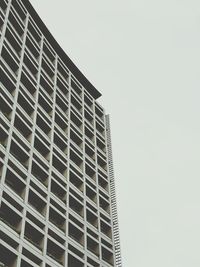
[(19, 8)]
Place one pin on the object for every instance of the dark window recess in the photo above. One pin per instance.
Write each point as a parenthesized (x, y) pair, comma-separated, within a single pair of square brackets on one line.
[(49, 53), (55, 252), (25, 264), (47, 69), (34, 32), (76, 120), (13, 42), (31, 257), (91, 207), (56, 237), (76, 181), (3, 136), (46, 85), (102, 163), (39, 173), (3, 5), (92, 262), (41, 148), (75, 251), (76, 195), (7, 257), (91, 194), (92, 218), (88, 116), (58, 206), (22, 127), (2, 155), (90, 172), (61, 123), (93, 246), (33, 236), (9, 60), (90, 152), (88, 101), (104, 195), (28, 108), (32, 48), (63, 87), (76, 221), (63, 71), (59, 179), (35, 221), (105, 218), (44, 104), (43, 125), (102, 154), (12, 201), (1, 22), (76, 159), (18, 8), (98, 112), (101, 145), (5, 108), (8, 240), (42, 163), (76, 103), (76, 171), (17, 170), (31, 88), (10, 217), (7, 82), (106, 243), (89, 134), (106, 229), (76, 150), (75, 138), (60, 166), (30, 65), (57, 219), (17, 26), (102, 174), (58, 191), (104, 204), (92, 233), (91, 184), (15, 183), (76, 234), (35, 201), (103, 183), (62, 105), (19, 154), (76, 206), (107, 255), (76, 88), (74, 262), (38, 189), (60, 143)]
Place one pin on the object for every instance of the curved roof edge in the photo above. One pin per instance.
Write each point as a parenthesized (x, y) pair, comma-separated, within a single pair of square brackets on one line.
[(72, 67)]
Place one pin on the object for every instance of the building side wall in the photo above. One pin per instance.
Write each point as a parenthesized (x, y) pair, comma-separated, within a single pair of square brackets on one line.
[(118, 261)]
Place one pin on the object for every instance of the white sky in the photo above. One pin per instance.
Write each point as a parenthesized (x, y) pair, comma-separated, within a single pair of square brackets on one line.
[(144, 56)]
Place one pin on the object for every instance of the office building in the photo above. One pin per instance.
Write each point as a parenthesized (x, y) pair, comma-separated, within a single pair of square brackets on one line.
[(57, 193)]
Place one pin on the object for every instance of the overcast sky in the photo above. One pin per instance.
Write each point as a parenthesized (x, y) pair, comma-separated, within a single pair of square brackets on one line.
[(144, 56)]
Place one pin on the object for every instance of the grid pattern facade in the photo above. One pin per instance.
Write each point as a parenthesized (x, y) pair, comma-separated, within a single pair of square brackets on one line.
[(55, 201)]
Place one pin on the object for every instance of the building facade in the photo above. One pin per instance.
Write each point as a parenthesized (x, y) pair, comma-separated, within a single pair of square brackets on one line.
[(57, 193)]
